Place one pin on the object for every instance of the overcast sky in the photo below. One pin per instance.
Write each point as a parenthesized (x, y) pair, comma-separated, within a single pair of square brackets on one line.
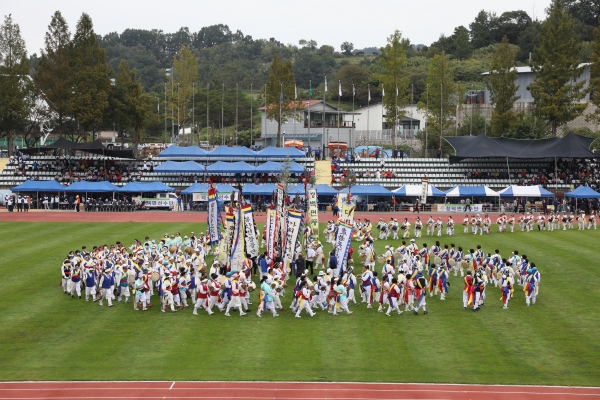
[(363, 23)]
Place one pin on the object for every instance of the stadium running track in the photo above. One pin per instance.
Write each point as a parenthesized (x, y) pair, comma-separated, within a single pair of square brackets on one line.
[(282, 390), (256, 390), (173, 216)]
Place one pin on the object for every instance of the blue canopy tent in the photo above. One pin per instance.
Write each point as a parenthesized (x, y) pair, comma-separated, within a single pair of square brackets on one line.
[(203, 188), (187, 151), (583, 192), (260, 190), (92, 187), (415, 191), (323, 190), (276, 167), (224, 152), (369, 190), (222, 167), (39, 186), (280, 152), (180, 166), (146, 187)]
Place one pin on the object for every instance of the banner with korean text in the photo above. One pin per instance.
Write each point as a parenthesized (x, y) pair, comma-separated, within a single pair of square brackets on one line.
[(294, 221), (249, 232), (271, 232), (213, 216), (342, 243), (313, 210)]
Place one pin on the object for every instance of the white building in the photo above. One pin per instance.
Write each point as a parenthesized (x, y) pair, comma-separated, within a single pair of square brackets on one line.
[(371, 125)]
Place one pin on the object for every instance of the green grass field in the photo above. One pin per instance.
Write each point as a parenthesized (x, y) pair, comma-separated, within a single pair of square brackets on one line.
[(45, 335)]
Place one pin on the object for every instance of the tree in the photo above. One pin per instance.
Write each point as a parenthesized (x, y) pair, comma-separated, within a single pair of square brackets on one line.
[(90, 77), (349, 75), (595, 78), (556, 65), (512, 24), (137, 107), (462, 46), (53, 76), (483, 29), (280, 93), (502, 87), (15, 84), (347, 48), (443, 98), (393, 61), (184, 74)]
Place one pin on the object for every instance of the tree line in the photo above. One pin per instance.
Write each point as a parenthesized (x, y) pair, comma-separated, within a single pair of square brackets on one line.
[(147, 82)]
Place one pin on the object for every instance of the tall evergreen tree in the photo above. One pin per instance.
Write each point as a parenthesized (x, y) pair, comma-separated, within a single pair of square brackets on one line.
[(53, 76), (443, 98), (90, 73), (394, 79), (595, 78), (502, 87), (462, 46), (556, 65), (15, 83), (136, 106), (280, 93)]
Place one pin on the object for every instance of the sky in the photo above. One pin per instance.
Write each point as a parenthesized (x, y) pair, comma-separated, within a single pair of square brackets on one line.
[(363, 23)]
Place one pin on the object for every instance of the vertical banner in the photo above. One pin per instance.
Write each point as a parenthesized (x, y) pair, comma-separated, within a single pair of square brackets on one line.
[(279, 197), (249, 234), (213, 216), (294, 221), (342, 242), (341, 199), (271, 231), (313, 211), (236, 257), (424, 189), (230, 227), (347, 209)]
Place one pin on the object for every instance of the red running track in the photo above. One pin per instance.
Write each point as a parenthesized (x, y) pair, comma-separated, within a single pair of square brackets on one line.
[(173, 216), (282, 391)]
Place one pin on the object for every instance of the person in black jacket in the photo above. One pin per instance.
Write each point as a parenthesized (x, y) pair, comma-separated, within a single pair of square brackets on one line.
[(300, 265)]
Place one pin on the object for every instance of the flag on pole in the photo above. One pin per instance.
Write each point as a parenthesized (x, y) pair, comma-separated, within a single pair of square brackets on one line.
[(310, 88), (396, 90), (281, 95), (382, 91), (295, 93), (325, 83), (369, 93), (353, 90), (340, 88)]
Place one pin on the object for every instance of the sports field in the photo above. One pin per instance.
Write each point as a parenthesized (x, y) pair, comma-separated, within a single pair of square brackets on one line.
[(46, 335)]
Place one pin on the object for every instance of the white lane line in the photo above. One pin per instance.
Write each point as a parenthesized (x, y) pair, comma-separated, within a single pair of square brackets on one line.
[(173, 384)]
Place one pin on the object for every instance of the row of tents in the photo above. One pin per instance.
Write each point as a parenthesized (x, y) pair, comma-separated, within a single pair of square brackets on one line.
[(582, 192), (222, 167), (227, 152)]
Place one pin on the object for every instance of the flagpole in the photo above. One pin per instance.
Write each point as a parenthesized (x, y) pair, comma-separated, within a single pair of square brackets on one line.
[(280, 100), (308, 119), (338, 115), (368, 116), (251, 138), (295, 101), (382, 95), (396, 121), (323, 123), (352, 130)]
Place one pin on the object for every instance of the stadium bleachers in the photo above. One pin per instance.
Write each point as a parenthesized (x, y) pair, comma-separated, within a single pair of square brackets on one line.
[(48, 168), (443, 175)]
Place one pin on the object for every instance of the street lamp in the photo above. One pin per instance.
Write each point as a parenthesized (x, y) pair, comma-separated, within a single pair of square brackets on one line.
[(169, 72)]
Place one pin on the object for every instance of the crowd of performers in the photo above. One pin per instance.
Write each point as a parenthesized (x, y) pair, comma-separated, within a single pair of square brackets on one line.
[(474, 223), (174, 271)]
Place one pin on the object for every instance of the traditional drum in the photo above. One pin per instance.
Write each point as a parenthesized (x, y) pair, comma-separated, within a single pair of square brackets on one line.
[(155, 276)]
